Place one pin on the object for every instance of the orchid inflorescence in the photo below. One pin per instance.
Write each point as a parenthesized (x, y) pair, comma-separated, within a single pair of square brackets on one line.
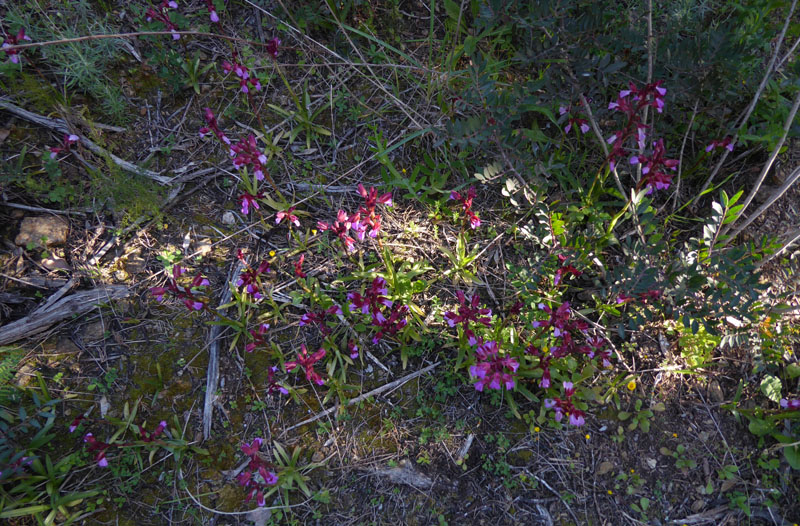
[(161, 14), (257, 477), (187, 294), (212, 11), (630, 103), (99, 448), (785, 403), (365, 221), (564, 407), (576, 122), (491, 368), (387, 316), (726, 143), (246, 78), (466, 206), (69, 140), (9, 41), (307, 361), (250, 277)]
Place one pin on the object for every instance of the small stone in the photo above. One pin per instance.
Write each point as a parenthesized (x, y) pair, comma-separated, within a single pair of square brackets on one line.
[(66, 346), (651, 463), (228, 218), (715, 392), (605, 467), (94, 332), (259, 516), (42, 231), (135, 264), (204, 248), (698, 505), (55, 263)]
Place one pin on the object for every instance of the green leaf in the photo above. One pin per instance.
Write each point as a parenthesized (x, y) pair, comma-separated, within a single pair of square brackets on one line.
[(771, 387), (760, 427), (792, 454)]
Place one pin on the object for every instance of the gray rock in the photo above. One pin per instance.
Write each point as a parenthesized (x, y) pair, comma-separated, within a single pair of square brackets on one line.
[(42, 231)]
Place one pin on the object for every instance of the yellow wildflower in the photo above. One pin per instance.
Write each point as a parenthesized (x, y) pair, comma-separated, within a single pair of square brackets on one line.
[(272, 253), (631, 385)]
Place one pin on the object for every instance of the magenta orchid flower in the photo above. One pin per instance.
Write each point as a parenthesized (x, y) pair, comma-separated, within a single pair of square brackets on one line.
[(272, 384), (272, 47), (341, 227), (288, 215), (468, 311), (466, 206), (187, 294), (352, 348), (154, 434), (653, 167), (726, 143), (212, 11), (564, 269), (298, 267), (491, 369), (161, 14), (249, 277), (13, 40), (391, 325), (246, 153), (369, 219), (212, 126), (258, 337), (318, 318), (631, 102), (97, 447), (790, 404), (257, 475), (69, 140), (307, 361), (246, 79), (565, 407), (248, 200)]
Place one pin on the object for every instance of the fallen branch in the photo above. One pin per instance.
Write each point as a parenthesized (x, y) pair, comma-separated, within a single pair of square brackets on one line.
[(378, 390), (74, 305), (61, 126), (212, 376)]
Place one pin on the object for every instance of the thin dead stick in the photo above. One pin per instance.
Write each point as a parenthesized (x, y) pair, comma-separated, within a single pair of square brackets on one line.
[(777, 194), (646, 112), (791, 238), (756, 96), (788, 54), (677, 190), (212, 376), (61, 126), (45, 210), (386, 387), (598, 133), (775, 151)]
